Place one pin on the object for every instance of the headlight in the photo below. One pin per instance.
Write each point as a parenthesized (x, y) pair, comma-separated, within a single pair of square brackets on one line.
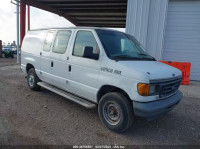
[(152, 89), (143, 89), (147, 90)]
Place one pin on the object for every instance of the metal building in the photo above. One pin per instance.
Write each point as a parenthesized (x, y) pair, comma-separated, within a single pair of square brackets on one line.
[(168, 29)]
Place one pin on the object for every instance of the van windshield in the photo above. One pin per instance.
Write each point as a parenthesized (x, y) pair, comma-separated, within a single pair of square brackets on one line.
[(121, 46)]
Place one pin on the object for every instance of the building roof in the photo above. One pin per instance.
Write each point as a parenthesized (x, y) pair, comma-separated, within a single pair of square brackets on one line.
[(99, 13)]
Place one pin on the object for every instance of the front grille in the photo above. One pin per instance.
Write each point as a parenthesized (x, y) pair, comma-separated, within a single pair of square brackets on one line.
[(167, 87), (170, 87)]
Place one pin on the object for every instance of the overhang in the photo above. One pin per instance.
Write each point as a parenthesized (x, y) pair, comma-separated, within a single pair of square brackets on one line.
[(99, 13)]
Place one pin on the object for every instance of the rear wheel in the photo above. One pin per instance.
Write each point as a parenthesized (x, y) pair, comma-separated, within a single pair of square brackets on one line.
[(32, 80), (116, 112)]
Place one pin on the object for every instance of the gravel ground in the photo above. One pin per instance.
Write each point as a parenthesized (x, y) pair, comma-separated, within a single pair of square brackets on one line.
[(7, 61), (38, 118)]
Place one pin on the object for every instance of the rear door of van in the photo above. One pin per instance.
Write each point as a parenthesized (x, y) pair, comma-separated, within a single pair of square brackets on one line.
[(45, 57), (59, 67)]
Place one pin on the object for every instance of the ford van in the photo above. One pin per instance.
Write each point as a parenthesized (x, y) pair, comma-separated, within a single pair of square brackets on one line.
[(102, 68)]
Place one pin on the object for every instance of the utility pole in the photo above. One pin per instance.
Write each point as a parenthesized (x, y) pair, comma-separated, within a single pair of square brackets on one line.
[(0, 49), (28, 18), (17, 6)]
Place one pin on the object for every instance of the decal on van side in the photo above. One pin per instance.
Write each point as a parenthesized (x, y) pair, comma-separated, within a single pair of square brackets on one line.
[(118, 72)]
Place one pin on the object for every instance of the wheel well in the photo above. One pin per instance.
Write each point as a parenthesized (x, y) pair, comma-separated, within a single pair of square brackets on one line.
[(109, 88), (28, 67)]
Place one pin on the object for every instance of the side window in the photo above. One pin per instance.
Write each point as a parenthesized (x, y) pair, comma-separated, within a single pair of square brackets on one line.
[(61, 42), (48, 41), (85, 39)]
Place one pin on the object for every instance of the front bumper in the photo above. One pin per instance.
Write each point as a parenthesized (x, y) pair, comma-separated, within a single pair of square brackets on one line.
[(151, 110)]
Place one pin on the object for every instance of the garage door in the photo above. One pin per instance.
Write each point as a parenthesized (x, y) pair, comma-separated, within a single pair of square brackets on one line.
[(182, 35)]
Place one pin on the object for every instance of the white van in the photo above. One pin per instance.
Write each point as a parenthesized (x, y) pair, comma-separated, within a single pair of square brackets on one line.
[(95, 66)]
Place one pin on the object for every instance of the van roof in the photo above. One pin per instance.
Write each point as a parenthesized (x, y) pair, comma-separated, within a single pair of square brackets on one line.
[(77, 27)]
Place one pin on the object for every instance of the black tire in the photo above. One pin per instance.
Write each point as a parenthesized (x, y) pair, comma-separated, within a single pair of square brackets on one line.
[(33, 76), (120, 107)]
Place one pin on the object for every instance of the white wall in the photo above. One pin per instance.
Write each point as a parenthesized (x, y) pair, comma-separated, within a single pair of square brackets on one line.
[(146, 21)]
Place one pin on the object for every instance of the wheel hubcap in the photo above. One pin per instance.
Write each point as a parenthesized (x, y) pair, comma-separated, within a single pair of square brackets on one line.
[(112, 113), (31, 80)]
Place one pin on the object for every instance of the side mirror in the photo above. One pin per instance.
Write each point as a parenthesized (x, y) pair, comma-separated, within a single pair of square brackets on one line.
[(88, 53)]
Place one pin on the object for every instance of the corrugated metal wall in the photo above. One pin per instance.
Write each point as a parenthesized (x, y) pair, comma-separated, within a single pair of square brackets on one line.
[(137, 19), (146, 21), (182, 37)]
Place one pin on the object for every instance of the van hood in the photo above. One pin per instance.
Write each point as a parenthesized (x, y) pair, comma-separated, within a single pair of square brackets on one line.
[(153, 69)]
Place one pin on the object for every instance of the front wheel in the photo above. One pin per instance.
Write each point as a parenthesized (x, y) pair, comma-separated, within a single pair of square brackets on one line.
[(116, 112), (32, 80)]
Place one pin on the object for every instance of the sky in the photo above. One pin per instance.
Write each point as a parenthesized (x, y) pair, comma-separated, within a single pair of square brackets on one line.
[(38, 19)]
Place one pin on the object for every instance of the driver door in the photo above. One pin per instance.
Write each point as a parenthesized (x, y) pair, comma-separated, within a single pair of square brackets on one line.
[(83, 71)]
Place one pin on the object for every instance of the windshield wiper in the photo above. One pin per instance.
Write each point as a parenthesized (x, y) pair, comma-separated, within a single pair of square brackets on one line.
[(143, 54), (149, 57), (124, 57), (127, 57)]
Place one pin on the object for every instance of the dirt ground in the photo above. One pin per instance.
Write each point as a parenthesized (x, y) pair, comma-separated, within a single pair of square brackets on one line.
[(7, 61), (38, 118)]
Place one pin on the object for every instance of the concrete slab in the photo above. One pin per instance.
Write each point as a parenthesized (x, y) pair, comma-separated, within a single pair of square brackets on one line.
[(192, 90)]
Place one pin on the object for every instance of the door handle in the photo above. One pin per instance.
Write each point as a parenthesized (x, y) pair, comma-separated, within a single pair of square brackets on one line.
[(51, 63), (70, 68)]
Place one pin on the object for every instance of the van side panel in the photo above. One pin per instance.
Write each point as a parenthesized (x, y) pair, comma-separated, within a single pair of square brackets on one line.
[(31, 47)]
